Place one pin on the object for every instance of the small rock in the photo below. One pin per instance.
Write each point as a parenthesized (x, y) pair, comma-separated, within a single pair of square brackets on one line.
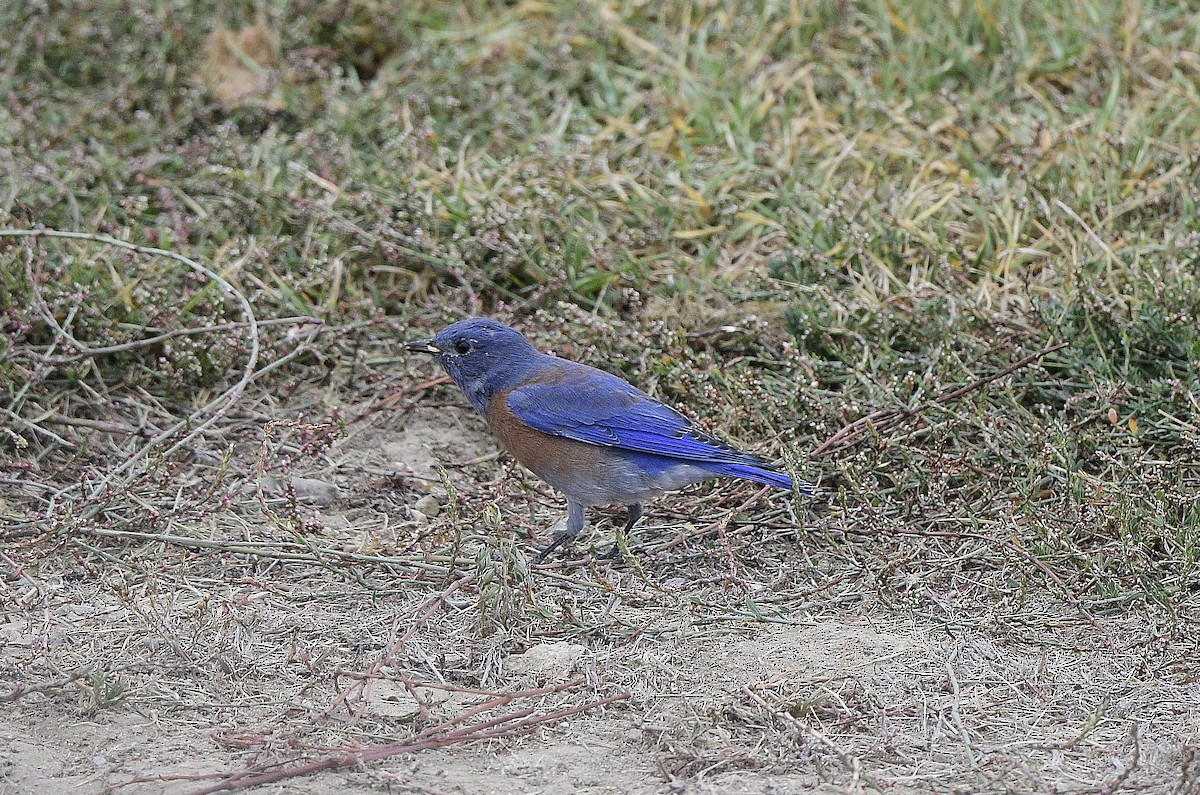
[(985, 649), (393, 700), (553, 661), (315, 491), (308, 490), (428, 505)]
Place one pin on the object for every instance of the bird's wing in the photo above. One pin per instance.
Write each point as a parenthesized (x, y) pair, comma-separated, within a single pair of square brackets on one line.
[(588, 405)]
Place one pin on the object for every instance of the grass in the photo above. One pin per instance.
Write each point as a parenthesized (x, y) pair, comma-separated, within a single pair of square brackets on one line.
[(780, 216)]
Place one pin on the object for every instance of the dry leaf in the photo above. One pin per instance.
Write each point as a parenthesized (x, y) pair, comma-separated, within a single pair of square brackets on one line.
[(240, 65)]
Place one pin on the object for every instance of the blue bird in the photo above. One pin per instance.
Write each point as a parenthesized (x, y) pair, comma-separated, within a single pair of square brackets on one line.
[(591, 435)]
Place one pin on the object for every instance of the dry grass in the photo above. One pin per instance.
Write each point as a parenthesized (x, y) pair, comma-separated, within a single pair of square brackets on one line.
[(241, 533)]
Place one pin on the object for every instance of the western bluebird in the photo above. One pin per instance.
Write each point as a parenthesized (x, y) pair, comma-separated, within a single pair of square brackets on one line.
[(594, 437)]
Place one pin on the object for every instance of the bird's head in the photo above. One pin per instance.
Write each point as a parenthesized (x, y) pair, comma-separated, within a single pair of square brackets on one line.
[(481, 355)]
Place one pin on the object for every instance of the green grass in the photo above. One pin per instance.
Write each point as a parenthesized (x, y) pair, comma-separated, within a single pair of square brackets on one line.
[(907, 196)]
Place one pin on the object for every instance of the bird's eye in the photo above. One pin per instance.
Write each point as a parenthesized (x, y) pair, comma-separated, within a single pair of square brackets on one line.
[(462, 347)]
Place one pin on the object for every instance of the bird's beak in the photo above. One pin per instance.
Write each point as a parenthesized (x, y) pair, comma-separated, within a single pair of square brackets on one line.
[(421, 346)]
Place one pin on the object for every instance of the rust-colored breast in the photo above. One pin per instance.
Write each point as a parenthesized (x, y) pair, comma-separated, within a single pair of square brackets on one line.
[(558, 461)]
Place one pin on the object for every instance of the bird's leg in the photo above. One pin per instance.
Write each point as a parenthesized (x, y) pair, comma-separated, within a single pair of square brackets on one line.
[(632, 514), (575, 522)]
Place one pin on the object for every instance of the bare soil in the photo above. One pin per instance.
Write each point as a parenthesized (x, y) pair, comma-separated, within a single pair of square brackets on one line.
[(749, 665)]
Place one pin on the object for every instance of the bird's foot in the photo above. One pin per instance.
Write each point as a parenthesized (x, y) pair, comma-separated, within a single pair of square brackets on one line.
[(613, 553), (621, 550), (557, 542), (561, 535)]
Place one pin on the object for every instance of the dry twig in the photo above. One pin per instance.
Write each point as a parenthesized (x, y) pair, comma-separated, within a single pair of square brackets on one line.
[(888, 418), (201, 419), (851, 762), (450, 732)]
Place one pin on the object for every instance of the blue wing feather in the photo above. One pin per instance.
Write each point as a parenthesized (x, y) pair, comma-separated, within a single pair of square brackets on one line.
[(588, 405)]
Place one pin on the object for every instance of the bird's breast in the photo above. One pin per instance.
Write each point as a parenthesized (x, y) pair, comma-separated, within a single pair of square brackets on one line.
[(592, 474), (552, 458), (589, 473)]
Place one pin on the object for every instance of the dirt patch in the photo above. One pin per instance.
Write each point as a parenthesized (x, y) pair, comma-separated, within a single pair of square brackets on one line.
[(920, 711), (749, 664), (419, 442)]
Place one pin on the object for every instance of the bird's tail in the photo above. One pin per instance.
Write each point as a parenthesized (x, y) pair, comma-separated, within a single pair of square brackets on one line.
[(766, 476)]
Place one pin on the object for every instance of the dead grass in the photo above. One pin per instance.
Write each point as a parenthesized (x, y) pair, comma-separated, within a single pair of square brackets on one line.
[(240, 531)]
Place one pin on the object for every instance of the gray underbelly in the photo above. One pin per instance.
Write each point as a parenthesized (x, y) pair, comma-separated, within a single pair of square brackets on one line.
[(618, 482)]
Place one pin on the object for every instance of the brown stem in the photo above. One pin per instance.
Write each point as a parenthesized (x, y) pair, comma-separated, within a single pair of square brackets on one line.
[(511, 724)]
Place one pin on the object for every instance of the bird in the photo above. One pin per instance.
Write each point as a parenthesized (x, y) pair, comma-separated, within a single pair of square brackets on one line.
[(590, 434)]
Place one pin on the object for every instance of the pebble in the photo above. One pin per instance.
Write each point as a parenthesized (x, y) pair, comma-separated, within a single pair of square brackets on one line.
[(308, 490), (549, 660), (428, 505)]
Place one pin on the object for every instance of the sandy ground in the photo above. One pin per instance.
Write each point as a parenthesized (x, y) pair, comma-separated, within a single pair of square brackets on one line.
[(794, 676)]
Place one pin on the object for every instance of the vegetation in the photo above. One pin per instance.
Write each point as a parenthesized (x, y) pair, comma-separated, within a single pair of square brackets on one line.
[(782, 217)]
